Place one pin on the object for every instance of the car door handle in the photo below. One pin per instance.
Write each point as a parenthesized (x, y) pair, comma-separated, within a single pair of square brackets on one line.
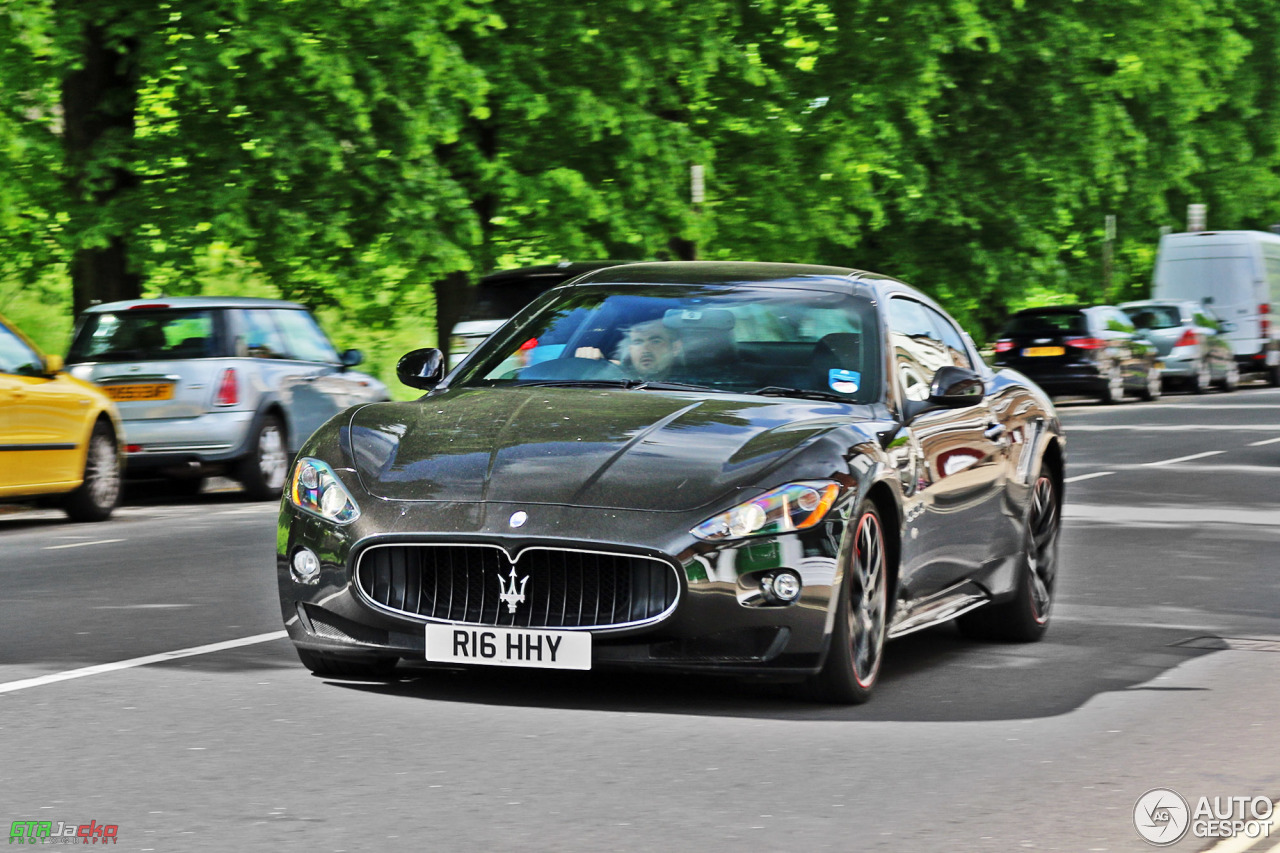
[(994, 432)]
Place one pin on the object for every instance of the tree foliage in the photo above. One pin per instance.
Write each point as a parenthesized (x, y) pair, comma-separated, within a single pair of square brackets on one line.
[(376, 155)]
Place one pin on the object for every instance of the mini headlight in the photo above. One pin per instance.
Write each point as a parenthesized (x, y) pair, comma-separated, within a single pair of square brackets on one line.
[(316, 489), (794, 506)]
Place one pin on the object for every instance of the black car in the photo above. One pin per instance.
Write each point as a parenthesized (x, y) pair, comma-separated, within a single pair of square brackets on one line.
[(1094, 351), (756, 469)]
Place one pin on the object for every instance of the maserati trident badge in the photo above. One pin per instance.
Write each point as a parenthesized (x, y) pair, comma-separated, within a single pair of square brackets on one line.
[(510, 596)]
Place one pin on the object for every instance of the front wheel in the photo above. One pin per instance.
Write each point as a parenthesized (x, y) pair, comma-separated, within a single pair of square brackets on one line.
[(99, 492), (857, 640), (1025, 617), (1231, 379), (263, 470)]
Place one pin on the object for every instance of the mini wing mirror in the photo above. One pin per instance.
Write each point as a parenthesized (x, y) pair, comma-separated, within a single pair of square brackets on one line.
[(52, 365), (421, 368), (350, 358)]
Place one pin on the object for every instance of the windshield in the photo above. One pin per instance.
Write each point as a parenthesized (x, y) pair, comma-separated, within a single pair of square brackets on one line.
[(728, 338), (1046, 323), (144, 335), (1155, 316)]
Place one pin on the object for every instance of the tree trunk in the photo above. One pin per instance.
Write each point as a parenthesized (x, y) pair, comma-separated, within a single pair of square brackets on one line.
[(453, 296), (99, 101)]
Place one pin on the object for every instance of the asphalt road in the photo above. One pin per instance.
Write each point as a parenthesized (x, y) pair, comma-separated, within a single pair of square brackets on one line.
[(1160, 670)]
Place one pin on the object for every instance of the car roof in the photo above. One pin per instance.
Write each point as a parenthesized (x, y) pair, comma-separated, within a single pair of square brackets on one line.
[(551, 272), (1147, 303), (718, 272), (192, 302)]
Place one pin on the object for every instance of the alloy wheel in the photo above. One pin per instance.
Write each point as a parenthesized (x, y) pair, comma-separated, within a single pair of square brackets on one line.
[(867, 605), (272, 459), (102, 471), (1042, 536)]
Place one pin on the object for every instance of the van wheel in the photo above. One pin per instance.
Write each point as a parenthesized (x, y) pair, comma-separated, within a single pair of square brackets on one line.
[(263, 469)]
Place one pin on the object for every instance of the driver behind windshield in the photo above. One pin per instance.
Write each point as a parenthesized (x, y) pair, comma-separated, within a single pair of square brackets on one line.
[(650, 351)]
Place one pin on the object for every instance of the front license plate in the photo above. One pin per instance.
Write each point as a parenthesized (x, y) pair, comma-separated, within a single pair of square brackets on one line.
[(509, 647), (1032, 352), (158, 391)]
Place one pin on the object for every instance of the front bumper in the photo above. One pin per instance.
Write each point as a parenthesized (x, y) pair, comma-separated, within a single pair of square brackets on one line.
[(719, 622)]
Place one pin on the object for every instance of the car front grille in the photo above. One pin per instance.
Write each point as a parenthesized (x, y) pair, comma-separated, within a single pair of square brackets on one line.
[(466, 584)]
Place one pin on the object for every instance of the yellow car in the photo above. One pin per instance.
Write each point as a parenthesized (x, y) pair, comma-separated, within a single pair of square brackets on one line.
[(59, 436)]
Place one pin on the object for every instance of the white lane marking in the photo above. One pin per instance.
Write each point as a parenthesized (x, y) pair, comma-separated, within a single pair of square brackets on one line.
[(1080, 477), (1173, 427), (1183, 458), (1171, 515), (11, 686), (1265, 441), (1188, 405), (81, 544)]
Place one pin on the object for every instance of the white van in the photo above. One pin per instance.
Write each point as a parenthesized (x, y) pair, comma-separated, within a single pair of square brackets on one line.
[(1235, 273)]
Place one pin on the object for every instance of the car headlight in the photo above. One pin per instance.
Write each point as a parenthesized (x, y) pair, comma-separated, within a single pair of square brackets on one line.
[(316, 489), (794, 506)]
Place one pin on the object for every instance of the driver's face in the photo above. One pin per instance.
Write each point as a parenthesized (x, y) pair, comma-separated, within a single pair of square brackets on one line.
[(652, 348)]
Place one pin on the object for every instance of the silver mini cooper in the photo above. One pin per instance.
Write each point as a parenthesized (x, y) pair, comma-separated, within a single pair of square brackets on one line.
[(210, 385)]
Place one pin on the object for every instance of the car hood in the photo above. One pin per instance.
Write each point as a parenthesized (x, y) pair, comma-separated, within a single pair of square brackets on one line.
[(608, 448)]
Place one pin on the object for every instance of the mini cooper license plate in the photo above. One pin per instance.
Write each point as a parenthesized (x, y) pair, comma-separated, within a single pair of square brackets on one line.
[(156, 391), (1031, 352), (508, 647)]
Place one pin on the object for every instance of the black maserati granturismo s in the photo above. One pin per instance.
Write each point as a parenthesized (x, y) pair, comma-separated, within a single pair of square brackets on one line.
[(744, 468)]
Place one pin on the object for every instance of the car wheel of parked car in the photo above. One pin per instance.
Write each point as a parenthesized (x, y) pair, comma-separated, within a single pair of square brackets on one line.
[(1114, 390), (347, 667), (1025, 617), (1199, 381), (100, 491), (263, 470), (857, 640), (1273, 377), (1231, 379), (1154, 386)]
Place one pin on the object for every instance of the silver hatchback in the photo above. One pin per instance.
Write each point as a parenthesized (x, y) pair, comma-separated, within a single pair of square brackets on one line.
[(210, 385), (1191, 341)]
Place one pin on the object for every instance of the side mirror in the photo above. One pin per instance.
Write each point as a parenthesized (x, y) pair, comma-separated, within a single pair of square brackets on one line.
[(52, 365), (421, 368), (952, 388), (350, 358)]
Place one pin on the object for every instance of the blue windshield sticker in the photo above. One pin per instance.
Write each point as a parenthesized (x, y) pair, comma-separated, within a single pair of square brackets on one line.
[(844, 381)]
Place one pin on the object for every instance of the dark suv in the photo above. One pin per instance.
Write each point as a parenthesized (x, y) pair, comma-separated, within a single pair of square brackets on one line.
[(1094, 351), (216, 385)]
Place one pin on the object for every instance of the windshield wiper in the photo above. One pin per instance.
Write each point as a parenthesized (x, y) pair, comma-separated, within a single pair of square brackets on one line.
[(648, 385), (805, 393)]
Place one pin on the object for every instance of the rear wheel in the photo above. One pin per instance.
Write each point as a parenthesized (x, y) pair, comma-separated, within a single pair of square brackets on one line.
[(1154, 384), (1025, 617), (322, 664), (1114, 390), (857, 640), (100, 491), (1199, 381), (263, 470), (1231, 379)]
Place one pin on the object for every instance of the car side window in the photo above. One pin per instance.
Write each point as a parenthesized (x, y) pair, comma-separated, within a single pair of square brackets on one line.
[(952, 339), (918, 348), (18, 358), (303, 338), (262, 337)]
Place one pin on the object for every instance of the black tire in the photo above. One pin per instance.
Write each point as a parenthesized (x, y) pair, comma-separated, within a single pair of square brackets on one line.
[(1154, 385), (334, 666), (264, 467), (857, 640), (1231, 379), (1113, 391), (1273, 377), (98, 494), (1025, 617), (1199, 381)]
